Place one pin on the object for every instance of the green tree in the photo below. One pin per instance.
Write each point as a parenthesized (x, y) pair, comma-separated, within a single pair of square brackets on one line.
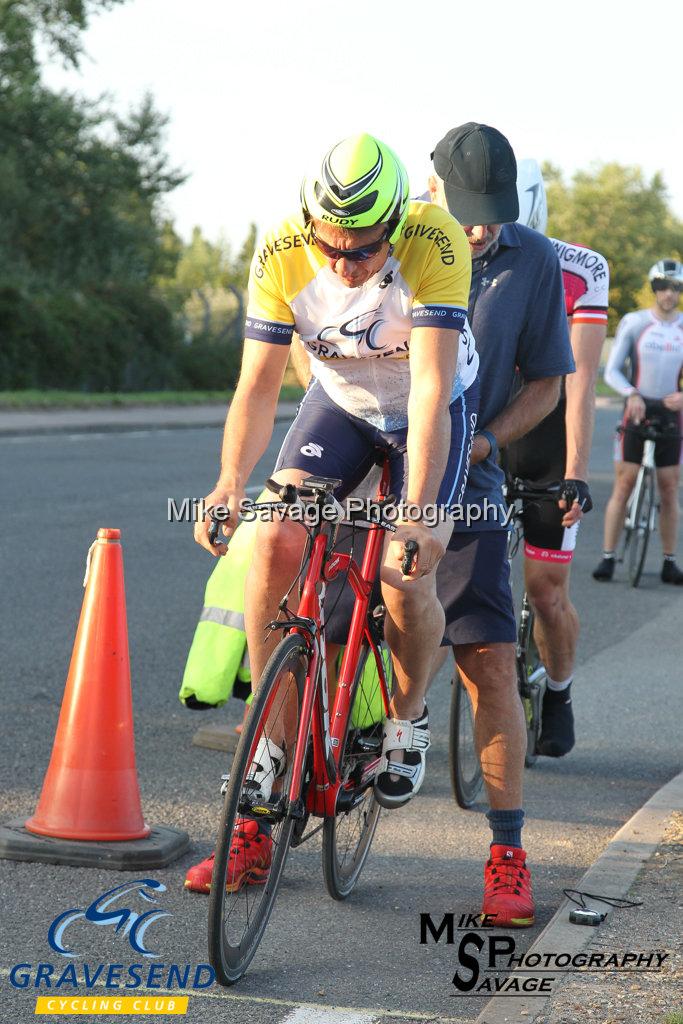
[(209, 286), (82, 233), (621, 213)]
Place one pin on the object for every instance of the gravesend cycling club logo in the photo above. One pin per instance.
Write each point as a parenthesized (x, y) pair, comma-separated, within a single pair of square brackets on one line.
[(106, 911), (488, 964), (131, 914)]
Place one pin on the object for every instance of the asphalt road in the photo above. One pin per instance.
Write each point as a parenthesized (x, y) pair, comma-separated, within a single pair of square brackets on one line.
[(57, 491)]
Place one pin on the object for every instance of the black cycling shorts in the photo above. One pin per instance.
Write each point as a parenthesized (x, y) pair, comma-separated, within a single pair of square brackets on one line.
[(540, 456), (628, 447)]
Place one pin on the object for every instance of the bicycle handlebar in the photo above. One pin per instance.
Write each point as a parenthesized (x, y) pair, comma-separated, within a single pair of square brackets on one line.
[(528, 489), (322, 488), (649, 430)]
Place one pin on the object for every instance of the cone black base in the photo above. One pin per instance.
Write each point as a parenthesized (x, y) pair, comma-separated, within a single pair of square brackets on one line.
[(162, 847)]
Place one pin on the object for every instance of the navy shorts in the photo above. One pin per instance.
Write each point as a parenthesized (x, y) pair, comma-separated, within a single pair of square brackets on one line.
[(472, 581), (327, 441), (473, 584)]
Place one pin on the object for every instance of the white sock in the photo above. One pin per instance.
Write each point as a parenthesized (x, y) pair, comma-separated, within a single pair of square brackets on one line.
[(557, 687)]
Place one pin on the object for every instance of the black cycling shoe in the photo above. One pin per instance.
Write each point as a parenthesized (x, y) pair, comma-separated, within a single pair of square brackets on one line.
[(671, 573), (605, 571), (557, 724)]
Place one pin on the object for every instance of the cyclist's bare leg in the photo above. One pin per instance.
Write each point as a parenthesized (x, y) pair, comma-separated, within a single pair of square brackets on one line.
[(556, 629), (413, 627), (667, 482), (489, 675), (625, 474)]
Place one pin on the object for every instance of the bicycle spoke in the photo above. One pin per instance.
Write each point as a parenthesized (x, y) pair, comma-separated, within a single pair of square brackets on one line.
[(249, 862), (348, 835)]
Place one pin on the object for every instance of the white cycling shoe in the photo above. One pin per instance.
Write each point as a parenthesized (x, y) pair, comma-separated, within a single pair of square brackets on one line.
[(413, 738), (269, 764)]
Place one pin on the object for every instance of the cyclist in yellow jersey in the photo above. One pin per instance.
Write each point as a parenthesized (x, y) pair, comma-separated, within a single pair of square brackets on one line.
[(376, 287)]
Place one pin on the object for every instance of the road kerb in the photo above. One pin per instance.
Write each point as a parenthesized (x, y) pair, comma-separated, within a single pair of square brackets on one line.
[(612, 874)]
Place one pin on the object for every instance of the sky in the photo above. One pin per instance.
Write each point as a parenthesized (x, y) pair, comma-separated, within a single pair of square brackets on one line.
[(257, 92)]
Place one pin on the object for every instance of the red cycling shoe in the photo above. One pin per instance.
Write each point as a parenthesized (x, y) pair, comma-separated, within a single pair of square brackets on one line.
[(508, 898), (250, 856)]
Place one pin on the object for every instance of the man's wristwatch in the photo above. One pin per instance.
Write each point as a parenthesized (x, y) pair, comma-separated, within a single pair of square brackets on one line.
[(491, 438)]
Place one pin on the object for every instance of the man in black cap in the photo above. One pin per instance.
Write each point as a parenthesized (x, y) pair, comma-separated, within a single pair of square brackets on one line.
[(517, 313)]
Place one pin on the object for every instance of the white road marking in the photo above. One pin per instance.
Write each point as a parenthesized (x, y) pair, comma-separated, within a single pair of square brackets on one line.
[(325, 1015)]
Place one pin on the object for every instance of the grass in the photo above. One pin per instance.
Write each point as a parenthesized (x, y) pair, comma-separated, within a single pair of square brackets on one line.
[(53, 399), (35, 399), (673, 1018)]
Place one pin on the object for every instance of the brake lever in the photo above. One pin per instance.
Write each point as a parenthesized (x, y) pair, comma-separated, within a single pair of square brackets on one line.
[(213, 530), (410, 549)]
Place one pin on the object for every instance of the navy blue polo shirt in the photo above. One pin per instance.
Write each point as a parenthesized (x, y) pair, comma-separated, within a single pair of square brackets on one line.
[(517, 314)]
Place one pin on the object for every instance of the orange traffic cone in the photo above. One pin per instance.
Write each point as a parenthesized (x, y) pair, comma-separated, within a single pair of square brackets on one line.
[(91, 788), (89, 811)]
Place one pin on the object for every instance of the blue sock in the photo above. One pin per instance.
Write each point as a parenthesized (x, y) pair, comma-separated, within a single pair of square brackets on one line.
[(506, 827)]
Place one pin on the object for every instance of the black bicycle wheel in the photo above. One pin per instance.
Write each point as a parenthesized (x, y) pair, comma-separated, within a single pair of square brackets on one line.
[(463, 759), (239, 908), (348, 835), (531, 688), (641, 533)]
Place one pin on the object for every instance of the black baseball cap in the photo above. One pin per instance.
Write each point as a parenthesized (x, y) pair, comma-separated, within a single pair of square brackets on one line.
[(479, 171)]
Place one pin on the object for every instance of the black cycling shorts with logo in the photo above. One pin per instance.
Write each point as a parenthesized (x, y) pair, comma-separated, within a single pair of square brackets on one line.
[(540, 456), (628, 446)]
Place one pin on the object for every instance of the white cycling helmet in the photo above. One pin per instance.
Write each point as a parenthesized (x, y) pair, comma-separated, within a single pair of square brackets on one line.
[(666, 270), (533, 206)]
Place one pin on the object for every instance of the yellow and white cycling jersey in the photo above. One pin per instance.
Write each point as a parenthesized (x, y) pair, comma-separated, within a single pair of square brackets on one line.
[(359, 338)]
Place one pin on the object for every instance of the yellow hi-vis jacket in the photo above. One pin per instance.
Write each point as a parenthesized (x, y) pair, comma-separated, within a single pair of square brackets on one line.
[(218, 656)]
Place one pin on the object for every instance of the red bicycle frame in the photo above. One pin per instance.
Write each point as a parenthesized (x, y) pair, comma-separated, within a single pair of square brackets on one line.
[(328, 738)]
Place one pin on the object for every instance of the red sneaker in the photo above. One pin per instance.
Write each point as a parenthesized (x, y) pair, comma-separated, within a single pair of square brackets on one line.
[(198, 878), (250, 857), (507, 888)]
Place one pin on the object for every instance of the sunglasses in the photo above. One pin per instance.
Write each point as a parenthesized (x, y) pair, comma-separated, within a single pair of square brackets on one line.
[(363, 252), (667, 286)]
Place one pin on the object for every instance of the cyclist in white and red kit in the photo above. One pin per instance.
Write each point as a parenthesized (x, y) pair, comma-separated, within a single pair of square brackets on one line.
[(646, 366)]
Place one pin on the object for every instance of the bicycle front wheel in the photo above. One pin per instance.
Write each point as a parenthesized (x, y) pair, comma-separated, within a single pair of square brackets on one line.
[(465, 767), (243, 887), (348, 835), (642, 519)]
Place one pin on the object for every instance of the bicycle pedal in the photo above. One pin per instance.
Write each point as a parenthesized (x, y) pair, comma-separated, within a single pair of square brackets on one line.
[(271, 812), (225, 779)]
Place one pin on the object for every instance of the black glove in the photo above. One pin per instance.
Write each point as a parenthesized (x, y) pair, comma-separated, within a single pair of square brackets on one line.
[(577, 490)]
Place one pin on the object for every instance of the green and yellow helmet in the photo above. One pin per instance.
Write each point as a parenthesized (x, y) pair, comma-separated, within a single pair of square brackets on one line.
[(361, 183)]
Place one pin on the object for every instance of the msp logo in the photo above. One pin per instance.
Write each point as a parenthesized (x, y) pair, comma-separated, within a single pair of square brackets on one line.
[(106, 910)]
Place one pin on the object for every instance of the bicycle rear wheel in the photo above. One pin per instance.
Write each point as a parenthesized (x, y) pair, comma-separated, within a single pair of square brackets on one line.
[(464, 764), (532, 676), (348, 835), (642, 519), (241, 902)]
